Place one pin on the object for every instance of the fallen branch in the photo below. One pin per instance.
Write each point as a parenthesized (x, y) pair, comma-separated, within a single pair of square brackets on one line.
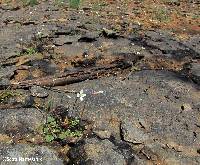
[(73, 77)]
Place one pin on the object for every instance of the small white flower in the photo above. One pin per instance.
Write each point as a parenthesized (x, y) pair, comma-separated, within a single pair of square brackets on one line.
[(81, 95), (39, 33)]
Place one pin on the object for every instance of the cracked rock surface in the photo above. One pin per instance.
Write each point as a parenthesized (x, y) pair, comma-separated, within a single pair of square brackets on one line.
[(76, 90)]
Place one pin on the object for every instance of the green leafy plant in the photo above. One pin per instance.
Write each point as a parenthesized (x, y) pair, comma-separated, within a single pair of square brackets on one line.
[(30, 2), (195, 16), (6, 94), (31, 51), (60, 3), (74, 3), (161, 14), (135, 69), (54, 129), (99, 5)]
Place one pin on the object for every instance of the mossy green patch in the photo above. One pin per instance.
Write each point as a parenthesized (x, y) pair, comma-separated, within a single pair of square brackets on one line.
[(161, 14), (30, 2), (74, 4), (7, 94)]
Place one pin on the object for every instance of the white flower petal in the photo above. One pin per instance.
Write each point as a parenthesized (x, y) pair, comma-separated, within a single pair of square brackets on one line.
[(81, 98), (83, 95)]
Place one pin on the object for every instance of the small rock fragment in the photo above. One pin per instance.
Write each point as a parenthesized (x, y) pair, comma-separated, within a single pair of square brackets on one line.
[(133, 134), (103, 134), (66, 40), (7, 72), (110, 33), (4, 83), (89, 37), (38, 91)]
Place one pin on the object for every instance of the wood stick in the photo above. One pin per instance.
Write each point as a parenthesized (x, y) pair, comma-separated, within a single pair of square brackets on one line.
[(72, 77)]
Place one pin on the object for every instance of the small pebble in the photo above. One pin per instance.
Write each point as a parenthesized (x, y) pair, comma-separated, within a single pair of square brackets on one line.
[(38, 91)]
